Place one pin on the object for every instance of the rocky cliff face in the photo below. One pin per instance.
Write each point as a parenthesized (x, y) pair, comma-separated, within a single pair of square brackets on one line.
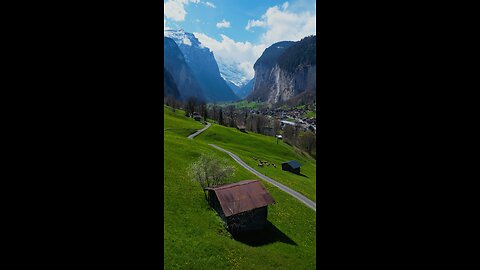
[(175, 64), (169, 86), (275, 84), (285, 70), (203, 65)]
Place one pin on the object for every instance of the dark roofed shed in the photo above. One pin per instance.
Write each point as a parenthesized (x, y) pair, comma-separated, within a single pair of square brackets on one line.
[(292, 166)]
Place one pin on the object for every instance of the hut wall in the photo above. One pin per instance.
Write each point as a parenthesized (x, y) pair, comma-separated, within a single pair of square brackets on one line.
[(287, 167), (247, 221), (215, 204)]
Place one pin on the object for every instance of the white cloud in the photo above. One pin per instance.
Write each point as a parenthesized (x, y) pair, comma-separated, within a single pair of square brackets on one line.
[(223, 24), (175, 9), (255, 23), (229, 51), (282, 24), (165, 27), (210, 4)]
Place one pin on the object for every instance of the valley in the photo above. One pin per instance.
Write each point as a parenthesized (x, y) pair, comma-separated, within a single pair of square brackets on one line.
[(239, 152)]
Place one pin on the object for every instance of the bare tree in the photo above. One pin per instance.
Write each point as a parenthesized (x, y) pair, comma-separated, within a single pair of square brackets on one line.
[(307, 142), (210, 171), (231, 115), (205, 114), (220, 116), (288, 134), (276, 127), (190, 108)]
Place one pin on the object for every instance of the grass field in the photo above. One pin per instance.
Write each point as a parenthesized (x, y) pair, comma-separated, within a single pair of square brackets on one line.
[(194, 236), (249, 145), (244, 104), (310, 114)]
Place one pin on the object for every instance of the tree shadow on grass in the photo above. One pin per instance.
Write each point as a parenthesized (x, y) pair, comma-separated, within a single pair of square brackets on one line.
[(270, 234)]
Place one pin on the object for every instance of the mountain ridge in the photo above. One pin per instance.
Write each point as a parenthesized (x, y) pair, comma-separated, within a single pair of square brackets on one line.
[(174, 62), (203, 65)]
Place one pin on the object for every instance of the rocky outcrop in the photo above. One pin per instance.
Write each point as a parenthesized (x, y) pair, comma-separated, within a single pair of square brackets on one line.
[(281, 73)]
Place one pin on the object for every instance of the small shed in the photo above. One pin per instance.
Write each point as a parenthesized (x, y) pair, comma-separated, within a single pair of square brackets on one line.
[(291, 166), (197, 117), (241, 128), (242, 205)]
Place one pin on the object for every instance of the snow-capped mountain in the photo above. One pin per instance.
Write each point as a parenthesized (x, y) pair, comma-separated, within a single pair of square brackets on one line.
[(184, 38), (232, 73), (204, 66)]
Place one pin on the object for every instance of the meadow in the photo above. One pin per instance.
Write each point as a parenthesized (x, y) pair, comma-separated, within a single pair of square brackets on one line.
[(250, 145), (194, 235)]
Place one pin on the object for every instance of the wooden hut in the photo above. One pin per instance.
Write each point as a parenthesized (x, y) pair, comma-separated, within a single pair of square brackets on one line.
[(242, 205), (197, 116), (241, 128), (291, 166)]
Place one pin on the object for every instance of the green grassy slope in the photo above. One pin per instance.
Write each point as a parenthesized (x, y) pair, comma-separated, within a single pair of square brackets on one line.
[(250, 145), (178, 123), (243, 104), (194, 237)]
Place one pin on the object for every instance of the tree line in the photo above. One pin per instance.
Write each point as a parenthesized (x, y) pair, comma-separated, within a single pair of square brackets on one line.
[(230, 116)]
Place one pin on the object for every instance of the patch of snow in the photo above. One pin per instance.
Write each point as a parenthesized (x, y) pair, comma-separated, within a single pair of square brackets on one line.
[(186, 41), (231, 72)]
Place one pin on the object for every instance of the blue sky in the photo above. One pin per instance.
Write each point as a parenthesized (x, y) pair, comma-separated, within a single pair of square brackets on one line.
[(238, 31)]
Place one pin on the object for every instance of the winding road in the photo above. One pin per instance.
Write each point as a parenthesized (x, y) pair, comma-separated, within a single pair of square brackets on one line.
[(286, 189), (199, 131)]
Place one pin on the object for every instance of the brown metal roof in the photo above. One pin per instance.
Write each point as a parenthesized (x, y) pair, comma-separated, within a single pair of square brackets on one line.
[(242, 196)]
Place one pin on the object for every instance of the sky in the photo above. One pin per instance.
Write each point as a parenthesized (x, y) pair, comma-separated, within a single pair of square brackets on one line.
[(238, 31)]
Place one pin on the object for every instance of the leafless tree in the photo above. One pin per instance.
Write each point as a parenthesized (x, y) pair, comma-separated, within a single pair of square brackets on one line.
[(231, 116), (220, 116), (307, 142), (276, 126), (190, 108), (288, 134)]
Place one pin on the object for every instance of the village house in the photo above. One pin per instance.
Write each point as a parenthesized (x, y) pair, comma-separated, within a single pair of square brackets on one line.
[(242, 205)]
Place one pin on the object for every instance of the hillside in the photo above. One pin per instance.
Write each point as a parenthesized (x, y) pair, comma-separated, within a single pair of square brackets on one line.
[(194, 237), (299, 55), (250, 145)]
